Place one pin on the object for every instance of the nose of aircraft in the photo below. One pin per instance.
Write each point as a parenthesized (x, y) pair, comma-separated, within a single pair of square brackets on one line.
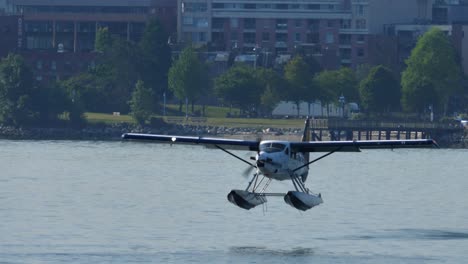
[(266, 164)]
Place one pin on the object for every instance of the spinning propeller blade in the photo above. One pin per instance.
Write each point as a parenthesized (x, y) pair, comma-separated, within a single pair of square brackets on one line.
[(248, 171)]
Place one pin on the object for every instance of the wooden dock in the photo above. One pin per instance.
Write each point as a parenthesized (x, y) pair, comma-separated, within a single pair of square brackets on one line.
[(337, 129)]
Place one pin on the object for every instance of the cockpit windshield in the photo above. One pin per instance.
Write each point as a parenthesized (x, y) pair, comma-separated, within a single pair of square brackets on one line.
[(271, 147)]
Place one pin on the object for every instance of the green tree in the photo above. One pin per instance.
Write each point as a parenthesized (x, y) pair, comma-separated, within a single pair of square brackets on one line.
[(238, 86), (115, 76), (103, 39), (86, 89), (347, 85), (327, 82), (273, 88), (16, 90), (380, 91), (156, 57), (141, 104), (82, 93), (432, 75), (50, 101), (188, 77), (300, 80), (334, 84)]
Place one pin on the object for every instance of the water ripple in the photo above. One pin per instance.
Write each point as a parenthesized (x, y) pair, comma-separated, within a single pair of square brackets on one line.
[(252, 250)]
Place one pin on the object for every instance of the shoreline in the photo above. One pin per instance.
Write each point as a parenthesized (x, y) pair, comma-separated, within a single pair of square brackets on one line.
[(113, 132)]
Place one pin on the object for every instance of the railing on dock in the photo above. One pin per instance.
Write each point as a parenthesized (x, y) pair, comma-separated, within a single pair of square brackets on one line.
[(336, 129)]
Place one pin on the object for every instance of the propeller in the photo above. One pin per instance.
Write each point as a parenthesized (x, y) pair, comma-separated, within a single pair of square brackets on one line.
[(248, 171)]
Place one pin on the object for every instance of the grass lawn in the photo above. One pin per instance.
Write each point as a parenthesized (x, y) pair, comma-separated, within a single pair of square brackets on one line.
[(215, 117), (256, 122), (108, 118), (211, 111)]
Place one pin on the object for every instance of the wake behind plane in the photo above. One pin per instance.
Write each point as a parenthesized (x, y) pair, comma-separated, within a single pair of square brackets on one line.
[(280, 160)]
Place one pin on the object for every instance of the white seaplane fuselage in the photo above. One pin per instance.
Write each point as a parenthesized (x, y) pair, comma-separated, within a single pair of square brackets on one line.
[(275, 160)]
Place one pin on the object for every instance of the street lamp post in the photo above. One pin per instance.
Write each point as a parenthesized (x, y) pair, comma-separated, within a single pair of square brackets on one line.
[(342, 102), (164, 104), (256, 49), (431, 108)]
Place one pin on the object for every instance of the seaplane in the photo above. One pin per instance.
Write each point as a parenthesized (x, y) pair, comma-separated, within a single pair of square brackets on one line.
[(280, 160)]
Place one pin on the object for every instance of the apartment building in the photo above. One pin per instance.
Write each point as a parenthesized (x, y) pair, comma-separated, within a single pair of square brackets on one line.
[(336, 31), (57, 36), (450, 16), (73, 24), (10, 28), (449, 11)]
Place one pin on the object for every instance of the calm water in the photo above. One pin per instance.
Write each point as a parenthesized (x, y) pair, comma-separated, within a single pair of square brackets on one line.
[(115, 202)]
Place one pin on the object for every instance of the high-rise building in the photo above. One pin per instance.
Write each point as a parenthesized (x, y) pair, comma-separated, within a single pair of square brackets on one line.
[(337, 31)]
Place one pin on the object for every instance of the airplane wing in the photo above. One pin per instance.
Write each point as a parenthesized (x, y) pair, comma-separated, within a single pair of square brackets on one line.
[(310, 146), (356, 146), (226, 143)]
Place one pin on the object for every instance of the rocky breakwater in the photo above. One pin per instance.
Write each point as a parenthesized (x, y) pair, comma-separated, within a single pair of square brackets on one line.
[(92, 132), (114, 132)]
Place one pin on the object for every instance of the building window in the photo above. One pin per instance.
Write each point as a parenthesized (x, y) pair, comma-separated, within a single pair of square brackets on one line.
[(39, 64), (297, 37), (345, 23), (361, 24), (265, 36), (313, 24), (249, 23), (194, 7), (345, 54), (313, 7), (234, 23), (359, 10), (313, 38), (201, 22), (250, 6), (217, 23), (345, 39), (281, 24), (234, 35), (53, 65), (187, 21), (330, 23), (298, 23), (281, 37), (249, 38), (282, 6), (360, 52), (360, 38), (198, 36), (329, 38)]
